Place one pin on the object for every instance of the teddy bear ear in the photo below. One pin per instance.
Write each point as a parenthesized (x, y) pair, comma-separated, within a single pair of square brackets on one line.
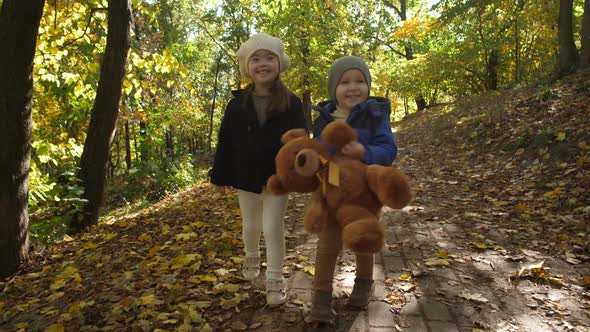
[(338, 134), (293, 134)]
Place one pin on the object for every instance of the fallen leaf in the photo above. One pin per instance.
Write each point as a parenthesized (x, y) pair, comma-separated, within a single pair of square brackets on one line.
[(476, 297)]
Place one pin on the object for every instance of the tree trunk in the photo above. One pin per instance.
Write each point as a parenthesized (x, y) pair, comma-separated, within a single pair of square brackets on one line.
[(127, 146), (19, 22), (210, 132), (142, 141), (170, 144), (585, 51), (492, 70), (567, 47), (104, 112)]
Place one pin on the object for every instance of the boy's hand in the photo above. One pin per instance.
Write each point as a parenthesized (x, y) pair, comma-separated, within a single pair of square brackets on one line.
[(354, 150)]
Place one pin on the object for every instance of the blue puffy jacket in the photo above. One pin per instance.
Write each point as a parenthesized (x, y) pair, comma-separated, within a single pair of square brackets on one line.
[(370, 119)]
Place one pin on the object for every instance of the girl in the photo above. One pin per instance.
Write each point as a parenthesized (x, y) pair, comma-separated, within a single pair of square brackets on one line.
[(249, 139), (349, 83)]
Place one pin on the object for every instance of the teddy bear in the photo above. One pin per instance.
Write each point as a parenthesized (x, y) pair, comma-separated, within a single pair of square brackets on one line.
[(341, 186)]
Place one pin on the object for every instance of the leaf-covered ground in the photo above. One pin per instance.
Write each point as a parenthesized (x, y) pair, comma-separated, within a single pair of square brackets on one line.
[(502, 212)]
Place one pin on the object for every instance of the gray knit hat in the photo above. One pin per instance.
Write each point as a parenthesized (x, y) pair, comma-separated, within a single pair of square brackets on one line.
[(261, 41), (340, 66)]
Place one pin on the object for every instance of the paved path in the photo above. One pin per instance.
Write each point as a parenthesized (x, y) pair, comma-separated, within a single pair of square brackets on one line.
[(453, 285), (391, 308)]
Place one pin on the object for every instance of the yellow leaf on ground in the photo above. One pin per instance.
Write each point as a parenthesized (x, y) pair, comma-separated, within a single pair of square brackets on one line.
[(553, 194), (443, 254), (436, 262), (109, 236), (195, 267), (144, 237), (206, 328), (21, 325), (519, 151), (185, 236), (55, 328), (91, 245), (198, 224), (57, 284), (150, 299), (208, 278), (221, 272), (202, 304), (405, 277), (406, 286), (74, 308), (52, 297), (480, 245), (184, 260), (309, 269)]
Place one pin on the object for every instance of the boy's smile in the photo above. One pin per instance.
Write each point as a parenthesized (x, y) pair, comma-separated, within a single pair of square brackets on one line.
[(352, 89)]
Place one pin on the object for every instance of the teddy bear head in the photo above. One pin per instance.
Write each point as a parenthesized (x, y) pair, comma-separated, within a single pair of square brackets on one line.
[(300, 158)]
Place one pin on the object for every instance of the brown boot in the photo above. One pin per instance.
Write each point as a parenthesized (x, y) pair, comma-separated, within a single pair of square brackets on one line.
[(361, 293), (322, 315)]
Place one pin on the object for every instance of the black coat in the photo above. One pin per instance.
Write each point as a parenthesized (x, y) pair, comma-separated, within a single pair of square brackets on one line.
[(245, 156)]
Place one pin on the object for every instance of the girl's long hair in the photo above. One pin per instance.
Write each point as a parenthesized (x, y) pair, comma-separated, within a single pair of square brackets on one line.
[(280, 96)]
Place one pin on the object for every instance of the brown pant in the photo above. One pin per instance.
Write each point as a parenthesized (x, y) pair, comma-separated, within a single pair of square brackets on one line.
[(329, 246)]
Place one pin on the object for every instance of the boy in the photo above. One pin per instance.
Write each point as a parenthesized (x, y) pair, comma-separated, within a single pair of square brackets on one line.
[(349, 83)]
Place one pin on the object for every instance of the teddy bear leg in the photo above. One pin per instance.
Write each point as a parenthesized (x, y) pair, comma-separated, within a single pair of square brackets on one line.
[(315, 216), (361, 229)]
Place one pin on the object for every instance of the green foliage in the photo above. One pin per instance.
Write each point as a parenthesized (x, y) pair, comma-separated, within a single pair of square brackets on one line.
[(151, 181), (181, 69), (49, 222)]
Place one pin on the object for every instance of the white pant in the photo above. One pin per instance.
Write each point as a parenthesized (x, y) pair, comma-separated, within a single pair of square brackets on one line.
[(264, 213)]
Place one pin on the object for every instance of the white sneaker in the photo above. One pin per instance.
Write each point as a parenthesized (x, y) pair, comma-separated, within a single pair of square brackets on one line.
[(276, 292), (251, 268)]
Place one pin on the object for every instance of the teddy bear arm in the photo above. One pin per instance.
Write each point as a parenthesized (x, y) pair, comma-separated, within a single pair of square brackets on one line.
[(275, 186), (390, 185)]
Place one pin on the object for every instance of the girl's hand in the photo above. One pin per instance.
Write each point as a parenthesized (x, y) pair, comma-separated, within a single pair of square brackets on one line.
[(354, 150)]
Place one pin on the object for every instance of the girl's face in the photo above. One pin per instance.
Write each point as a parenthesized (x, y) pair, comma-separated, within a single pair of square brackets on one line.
[(352, 89), (263, 67)]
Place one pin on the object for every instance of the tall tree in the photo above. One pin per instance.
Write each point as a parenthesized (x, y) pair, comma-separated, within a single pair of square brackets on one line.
[(567, 47), (408, 53), (104, 112), (19, 23), (585, 51)]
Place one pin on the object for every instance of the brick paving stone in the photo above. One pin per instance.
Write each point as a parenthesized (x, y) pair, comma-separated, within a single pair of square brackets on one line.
[(414, 324), (435, 310), (453, 229), (412, 253), (437, 326), (394, 265), (353, 321), (412, 308), (378, 258), (380, 315), (380, 291), (378, 272), (445, 273), (300, 280)]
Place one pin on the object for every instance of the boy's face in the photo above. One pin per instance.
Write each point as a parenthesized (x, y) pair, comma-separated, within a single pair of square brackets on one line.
[(263, 67), (352, 89)]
